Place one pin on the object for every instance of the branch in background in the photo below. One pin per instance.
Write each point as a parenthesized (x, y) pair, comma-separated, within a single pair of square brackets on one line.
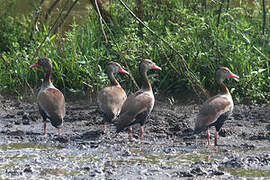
[(55, 22), (36, 14), (228, 5), (50, 9), (105, 14), (179, 73), (219, 11), (140, 15), (120, 54), (100, 21), (183, 4), (264, 16), (66, 15), (203, 5), (189, 74)]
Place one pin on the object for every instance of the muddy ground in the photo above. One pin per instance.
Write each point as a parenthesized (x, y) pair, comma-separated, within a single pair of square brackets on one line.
[(167, 152)]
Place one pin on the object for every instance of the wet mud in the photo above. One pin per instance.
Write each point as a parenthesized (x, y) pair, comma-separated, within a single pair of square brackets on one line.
[(168, 151)]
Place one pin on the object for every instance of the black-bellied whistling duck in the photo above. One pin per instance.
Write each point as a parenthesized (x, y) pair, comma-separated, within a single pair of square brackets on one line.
[(51, 101), (138, 106), (111, 98), (217, 109)]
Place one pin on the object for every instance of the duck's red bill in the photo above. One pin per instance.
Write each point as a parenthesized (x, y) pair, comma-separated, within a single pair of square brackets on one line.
[(231, 75), (123, 71), (34, 65), (154, 66)]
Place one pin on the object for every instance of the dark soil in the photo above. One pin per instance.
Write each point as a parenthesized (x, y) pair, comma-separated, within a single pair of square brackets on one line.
[(167, 152)]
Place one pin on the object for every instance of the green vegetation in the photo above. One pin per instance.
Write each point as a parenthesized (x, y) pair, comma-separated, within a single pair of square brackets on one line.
[(20, 157), (25, 146), (79, 54), (247, 172)]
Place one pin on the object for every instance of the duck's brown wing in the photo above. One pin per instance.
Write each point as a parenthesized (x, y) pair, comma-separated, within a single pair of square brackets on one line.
[(134, 105), (210, 111), (51, 102)]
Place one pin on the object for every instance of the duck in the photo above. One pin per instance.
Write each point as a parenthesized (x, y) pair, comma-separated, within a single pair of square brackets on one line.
[(50, 100), (217, 109), (138, 106), (111, 99)]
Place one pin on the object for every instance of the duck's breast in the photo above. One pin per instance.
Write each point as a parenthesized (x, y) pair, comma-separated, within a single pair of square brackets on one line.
[(52, 102), (111, 99)]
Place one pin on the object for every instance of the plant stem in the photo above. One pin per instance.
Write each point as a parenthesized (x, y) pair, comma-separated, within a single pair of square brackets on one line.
[(264, 16), (219, 11)]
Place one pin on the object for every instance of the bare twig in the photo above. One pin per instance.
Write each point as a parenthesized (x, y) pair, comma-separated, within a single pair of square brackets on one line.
[(100, 20), (28, 85), (105, 14), (66, 15), (190, 75), (50, 9)]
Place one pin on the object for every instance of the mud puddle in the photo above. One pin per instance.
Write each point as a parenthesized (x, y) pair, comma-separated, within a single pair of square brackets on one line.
[(84, 152)]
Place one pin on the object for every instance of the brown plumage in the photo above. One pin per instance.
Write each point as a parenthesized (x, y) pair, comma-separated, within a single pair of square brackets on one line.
[(216, 109), (111, 98), (138, 106), (51, 101)]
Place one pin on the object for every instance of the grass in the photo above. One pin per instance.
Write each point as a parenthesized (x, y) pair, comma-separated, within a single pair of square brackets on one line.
[(80, 54)]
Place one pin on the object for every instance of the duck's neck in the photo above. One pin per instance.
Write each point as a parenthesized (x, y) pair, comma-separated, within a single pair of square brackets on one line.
[(114, 82), (223, 88), (145, 81), (47, 79)]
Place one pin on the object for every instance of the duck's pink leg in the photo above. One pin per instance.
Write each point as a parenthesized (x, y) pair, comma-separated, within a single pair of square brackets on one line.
[(141, 137), (130, 132), (105, 127), (216, 138), (208, 137)]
